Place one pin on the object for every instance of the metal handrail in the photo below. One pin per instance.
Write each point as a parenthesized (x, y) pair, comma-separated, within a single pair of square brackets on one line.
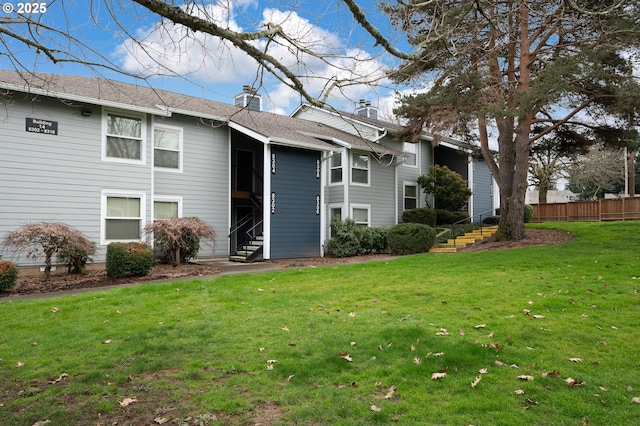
[(479, 215)]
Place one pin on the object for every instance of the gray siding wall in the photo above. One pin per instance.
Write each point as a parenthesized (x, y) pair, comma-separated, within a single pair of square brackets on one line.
[(204, 181), (410, 174), (59, 178), (482, 189), (379, 195)]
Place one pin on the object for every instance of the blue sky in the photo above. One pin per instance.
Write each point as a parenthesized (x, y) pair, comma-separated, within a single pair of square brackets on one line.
[(208, 68)]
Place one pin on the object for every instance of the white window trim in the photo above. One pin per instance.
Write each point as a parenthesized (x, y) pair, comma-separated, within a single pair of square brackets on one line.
[(351, 167), (417, 149), (103, 211), (404, 193), (342, 158), (363, 207), (169, 199), (143, 136), (180, 131)]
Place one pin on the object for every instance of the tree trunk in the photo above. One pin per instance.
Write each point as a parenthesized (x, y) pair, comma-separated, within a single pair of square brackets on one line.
[(514, 166), (543, 188)]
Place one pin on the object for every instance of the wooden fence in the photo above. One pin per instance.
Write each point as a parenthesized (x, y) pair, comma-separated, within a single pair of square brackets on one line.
[(588, 211)]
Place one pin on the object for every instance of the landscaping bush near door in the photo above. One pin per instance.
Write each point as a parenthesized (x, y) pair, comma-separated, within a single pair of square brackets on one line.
[(423, 215), (410, 238)]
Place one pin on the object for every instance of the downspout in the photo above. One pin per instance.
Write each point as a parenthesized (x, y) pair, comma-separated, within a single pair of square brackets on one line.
[(470, 184), (153, 174)]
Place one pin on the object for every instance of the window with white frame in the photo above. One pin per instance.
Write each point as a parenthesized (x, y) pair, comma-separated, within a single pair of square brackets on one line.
[(360, 215), (167, 207), (124, 137), (410, 151), (167, 147), (336, 168), (410, 196), (123, 215), (360, 168)]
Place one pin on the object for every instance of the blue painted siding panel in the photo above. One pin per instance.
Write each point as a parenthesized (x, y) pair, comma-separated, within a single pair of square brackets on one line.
[(295, 224)]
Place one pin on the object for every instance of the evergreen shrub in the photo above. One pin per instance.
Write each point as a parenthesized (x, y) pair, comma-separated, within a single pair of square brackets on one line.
[(422, 215), (447, 217), (410, 238), (8, 275), (528, 213), (129, 259)]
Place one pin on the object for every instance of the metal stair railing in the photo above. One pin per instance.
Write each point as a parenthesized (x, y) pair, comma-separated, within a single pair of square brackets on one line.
[(469, 219)]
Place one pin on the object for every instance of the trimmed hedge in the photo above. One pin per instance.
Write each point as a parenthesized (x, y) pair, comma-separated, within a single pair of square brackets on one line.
[(8, 275), (410, 238), (129, 259), (422, 215), (350, 239), (447, 217)]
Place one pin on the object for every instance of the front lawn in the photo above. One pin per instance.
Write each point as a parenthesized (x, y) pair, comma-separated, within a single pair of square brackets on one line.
[(534, 336)]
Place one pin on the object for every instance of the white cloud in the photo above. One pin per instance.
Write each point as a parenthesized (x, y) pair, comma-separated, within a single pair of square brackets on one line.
[(167, 48)]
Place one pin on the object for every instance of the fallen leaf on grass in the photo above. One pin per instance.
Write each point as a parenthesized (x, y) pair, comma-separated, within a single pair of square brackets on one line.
[(375, 408), (483, 371), (107, 342), (288, 379), (417, 360), (389, 394), (496, 346), (575, 359), (500, 363), (272, 361), (636, 399), (42, 423), (574, 383), (476, 381), (128, 401), (352, 314), (526, 378), (538, 316), (551, 374), (20, 364), (59, 379), (436, 376), (480, 326), (437, 354), (442, 332), (160, 420), (518, 392), (54, 309), (284, 329), (346, 356)]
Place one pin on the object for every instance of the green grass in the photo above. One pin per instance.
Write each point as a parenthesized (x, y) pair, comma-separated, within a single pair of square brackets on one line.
[(197, 352)]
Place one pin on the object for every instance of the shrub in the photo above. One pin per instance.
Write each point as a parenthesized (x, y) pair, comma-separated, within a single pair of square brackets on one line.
[(347, 238), (8, 275), (178, 239), (528, 213), (375, 239), (75, 257), (129, 259), (410, 238), (447, 217), (449, 190), (47, 239), (424, 216)]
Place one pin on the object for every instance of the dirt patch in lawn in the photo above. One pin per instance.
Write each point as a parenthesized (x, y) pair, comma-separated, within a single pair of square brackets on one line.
[(96, 277)]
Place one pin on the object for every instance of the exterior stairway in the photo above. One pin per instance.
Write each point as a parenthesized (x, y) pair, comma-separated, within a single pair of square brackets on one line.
[(249, 252), (455, 244)]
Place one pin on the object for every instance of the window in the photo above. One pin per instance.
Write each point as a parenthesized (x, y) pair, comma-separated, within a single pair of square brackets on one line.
[(410, 150), (124, 138), (167, 147), (123, 217), (410, 197), (336, 213), (360, 215), (167, 207), (360, 169), (336, 168)]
